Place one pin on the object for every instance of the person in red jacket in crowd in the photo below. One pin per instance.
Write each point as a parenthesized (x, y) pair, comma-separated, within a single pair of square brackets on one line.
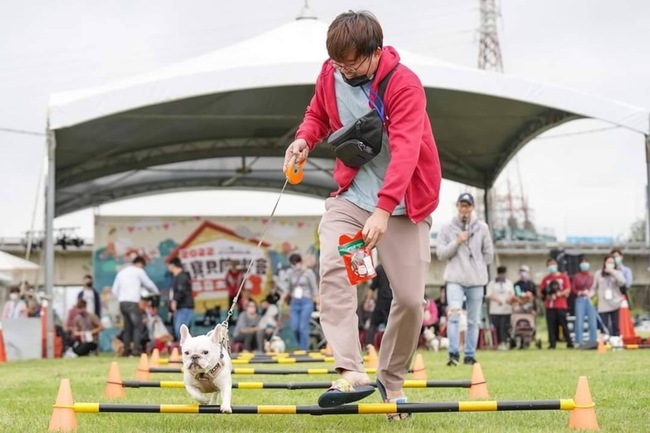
[(234, 277), (389, 198), (554, 289)]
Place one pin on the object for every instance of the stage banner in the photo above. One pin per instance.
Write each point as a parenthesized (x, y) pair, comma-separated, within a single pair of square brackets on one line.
[(206, 246)]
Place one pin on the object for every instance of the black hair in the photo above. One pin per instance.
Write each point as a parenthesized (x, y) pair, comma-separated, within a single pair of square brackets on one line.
[(140, 260), (295, 258), (502, 270), (176, 262)]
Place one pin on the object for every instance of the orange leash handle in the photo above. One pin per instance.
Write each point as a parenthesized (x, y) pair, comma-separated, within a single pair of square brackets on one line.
[(294, 171)]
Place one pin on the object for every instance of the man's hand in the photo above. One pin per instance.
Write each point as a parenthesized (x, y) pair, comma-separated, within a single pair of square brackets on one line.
[(172, 305), (375, 227), (298, 148), (462, 237)]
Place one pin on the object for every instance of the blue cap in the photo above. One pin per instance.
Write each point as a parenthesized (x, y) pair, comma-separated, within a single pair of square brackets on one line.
[(466, 197)]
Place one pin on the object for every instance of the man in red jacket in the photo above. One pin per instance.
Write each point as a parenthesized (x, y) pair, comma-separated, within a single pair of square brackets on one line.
[(390, 198)]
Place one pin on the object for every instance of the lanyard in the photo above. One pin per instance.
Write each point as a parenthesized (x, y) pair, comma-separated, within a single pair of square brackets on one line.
[(376, 102)]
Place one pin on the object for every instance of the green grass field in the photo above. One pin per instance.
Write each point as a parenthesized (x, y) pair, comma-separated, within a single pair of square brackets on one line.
[(619, 382)]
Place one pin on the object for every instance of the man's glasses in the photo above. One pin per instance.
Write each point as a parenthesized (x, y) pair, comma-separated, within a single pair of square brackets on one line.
[(350, 69)]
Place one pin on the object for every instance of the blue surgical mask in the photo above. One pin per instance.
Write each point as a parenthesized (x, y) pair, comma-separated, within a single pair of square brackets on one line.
[(552, 269), (618, 260), (584, 266)]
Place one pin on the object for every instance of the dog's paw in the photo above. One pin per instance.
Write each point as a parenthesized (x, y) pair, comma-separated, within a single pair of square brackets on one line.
[(226, 408), (203, 401)]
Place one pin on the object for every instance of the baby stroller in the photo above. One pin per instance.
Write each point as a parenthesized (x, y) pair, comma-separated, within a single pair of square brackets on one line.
[(522, 327)]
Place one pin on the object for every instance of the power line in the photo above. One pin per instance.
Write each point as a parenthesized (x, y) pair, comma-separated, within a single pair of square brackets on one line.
[(22, 131)]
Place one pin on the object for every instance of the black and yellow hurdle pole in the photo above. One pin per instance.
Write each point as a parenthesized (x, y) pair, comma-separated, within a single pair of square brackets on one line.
[(347, 409), (264, 359), (251, 371), (298, 385)]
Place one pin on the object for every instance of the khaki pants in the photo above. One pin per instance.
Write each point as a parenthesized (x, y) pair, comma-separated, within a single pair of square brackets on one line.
[(405, 254)]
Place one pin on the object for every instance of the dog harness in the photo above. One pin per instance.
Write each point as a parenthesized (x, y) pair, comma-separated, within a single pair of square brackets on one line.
[(206, 379)]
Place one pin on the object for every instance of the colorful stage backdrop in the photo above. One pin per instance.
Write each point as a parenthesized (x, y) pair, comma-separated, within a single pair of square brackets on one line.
[(206, 245)]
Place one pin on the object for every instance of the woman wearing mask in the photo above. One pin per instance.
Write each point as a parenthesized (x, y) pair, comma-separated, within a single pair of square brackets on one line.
[(303, 289), (581, 283), (555, 288), (607, 283), (14, 307)]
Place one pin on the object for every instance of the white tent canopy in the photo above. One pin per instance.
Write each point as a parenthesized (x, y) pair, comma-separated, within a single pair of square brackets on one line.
[(10, 263), (292, 55), (224, 119)]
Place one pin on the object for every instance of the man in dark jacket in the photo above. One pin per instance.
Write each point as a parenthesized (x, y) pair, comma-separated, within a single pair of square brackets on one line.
[(182, 303)]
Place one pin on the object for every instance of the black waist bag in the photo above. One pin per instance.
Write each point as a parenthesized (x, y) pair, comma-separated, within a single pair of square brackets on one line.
[(360, 141)]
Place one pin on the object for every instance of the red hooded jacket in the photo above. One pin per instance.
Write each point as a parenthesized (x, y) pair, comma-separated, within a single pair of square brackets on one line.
[(413, 173)]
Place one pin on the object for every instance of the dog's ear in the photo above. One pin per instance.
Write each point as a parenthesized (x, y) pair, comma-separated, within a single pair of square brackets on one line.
[(185, 334), (219, 334)]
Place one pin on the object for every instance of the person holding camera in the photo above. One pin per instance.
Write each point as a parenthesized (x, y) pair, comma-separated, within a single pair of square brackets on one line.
[(555, 288), (607, 286), (388, 186), (466, 245)]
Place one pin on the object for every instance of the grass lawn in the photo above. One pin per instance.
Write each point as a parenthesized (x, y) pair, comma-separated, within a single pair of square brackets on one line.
[(619, 383)]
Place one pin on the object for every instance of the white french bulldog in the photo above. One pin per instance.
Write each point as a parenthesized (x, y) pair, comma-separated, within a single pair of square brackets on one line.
[(207, 368), (275, 345), (434, 342)]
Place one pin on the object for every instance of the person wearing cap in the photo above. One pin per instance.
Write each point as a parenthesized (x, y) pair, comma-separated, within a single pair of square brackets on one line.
[(466, 244), (525, 292), (389, 198)]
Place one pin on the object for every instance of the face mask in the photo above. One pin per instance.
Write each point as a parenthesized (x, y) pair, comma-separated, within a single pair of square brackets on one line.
[(609, 266), (523, 274), (618, 260), (552, 269), (13, 296), (584, 266), (356, 81)]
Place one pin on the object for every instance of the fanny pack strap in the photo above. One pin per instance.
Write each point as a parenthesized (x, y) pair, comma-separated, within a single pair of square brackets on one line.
[(377, 101)]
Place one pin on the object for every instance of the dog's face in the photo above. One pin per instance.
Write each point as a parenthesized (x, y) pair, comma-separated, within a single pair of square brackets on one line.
[(277, 344), (428, 335), (203, 351)]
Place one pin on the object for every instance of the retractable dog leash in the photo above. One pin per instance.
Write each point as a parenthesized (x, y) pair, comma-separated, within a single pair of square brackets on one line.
[(294, 174)]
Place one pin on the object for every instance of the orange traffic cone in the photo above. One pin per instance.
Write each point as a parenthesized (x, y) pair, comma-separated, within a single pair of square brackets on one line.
[(114, 388), (373, 360), (583, 417), (63, 417), (328, 350), (155, 358), (478, 387), (143, 368), (601, 347), (3, 354), (419, 371), (175, 356), (627, 326)]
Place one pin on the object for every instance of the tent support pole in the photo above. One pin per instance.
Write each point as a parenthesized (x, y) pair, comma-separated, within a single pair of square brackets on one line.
[(647, 191), (49, 240)]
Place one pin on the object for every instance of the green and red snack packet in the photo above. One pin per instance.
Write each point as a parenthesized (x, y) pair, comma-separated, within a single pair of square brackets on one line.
[(357, 259)]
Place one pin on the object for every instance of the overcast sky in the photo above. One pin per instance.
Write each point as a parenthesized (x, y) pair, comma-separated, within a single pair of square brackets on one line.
[(578, 182)]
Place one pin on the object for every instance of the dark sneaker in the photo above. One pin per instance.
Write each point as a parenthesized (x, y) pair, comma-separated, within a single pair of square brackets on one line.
[(469, 360), (453, 360)]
